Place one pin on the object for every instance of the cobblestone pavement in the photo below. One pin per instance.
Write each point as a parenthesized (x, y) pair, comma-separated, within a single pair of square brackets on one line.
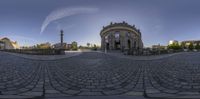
[(98, 74)]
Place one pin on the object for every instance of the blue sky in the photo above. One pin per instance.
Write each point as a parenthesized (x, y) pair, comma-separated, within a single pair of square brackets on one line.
[(158, 20)]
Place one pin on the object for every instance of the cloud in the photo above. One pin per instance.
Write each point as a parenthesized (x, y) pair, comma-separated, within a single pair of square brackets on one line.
[(65, 12)]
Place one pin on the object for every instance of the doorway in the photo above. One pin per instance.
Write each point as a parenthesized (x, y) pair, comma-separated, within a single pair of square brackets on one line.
[(117, 45), (129, 44), (107, 46)]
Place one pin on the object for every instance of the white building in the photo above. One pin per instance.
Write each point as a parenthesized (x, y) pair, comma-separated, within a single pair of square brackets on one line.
[(173, 42), (6, 43)]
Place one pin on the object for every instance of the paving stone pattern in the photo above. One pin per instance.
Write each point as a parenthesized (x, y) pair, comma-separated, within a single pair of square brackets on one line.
[(99, 74)]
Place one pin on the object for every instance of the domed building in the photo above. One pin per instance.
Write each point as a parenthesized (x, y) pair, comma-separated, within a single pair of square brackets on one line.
[(121, 36)]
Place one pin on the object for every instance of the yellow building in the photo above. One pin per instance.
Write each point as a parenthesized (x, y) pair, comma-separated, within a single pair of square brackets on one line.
[(6, 43)]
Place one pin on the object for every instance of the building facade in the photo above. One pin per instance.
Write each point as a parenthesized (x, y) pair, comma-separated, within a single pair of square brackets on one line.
[(6, 43), (186, 44), (159, 47), (60, 46), (121, 36), (72, 46), (173, 42)]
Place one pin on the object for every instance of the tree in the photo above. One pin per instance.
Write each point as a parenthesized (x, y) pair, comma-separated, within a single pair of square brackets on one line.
[(80, 47), (174, 46), (191, 46), (88, 44), (183, 45), (74, 45), (94, 47), (197, 46)]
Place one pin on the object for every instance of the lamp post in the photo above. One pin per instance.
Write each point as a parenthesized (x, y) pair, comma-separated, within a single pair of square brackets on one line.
[(159, 48)]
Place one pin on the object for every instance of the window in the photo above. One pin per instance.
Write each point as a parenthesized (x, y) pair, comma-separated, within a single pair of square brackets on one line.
[(106, 39), (117, 36), (128, 34)]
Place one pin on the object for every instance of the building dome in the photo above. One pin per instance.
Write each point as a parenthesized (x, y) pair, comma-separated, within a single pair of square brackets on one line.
[(121, 36)]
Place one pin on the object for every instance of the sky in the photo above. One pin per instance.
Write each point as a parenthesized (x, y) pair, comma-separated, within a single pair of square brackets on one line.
[(38, 21)]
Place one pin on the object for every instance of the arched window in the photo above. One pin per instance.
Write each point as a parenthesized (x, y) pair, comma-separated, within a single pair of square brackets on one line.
[(128, 34), (106, 38), (117, 36)]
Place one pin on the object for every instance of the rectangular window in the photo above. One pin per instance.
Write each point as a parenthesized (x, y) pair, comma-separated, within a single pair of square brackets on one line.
[(117, 36), (106, 39)]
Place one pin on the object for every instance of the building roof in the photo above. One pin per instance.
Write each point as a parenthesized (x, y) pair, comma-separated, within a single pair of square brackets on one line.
[(192, 41), (14, 44), (5, 38), (121, 24)]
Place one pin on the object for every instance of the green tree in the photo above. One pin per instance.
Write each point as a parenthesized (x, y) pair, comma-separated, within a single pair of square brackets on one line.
[(74, 46), (183, 45), (94, 47), (197, 46), (174, 46), (191, 46), (88, 44)]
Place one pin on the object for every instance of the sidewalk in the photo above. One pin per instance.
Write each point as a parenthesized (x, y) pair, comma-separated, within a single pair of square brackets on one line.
[(47, 57), (101, 97), (152, 57), (75, 53)]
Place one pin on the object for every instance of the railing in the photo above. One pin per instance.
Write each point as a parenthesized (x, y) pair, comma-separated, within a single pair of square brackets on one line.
[(36, 51)]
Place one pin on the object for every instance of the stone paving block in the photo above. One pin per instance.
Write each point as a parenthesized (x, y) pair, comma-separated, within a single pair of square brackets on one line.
[(51, 91), (81, 75), (91, 93), (32, 94), (72, 92), (134, 93), (15, 97)]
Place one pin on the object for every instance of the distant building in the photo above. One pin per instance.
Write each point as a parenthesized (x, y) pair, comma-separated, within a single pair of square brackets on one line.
[(66, 46), (60, 46), (2, 45), (159, 47), (46, 45), (188, 42), (6, 43), (173, 42), (69, 46)]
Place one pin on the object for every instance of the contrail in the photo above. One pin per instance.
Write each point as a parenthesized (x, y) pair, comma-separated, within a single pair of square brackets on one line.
[(65, 12)]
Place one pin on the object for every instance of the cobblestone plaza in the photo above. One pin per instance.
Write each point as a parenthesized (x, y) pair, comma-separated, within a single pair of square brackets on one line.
[(99, 74)]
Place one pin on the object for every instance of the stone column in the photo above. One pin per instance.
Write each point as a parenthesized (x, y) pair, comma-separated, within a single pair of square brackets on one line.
[(112, 41), (102, 42), (122, 41), (61, 38)]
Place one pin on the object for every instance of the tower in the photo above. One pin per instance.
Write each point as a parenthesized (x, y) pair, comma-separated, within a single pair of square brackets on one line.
[(61, 38)]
